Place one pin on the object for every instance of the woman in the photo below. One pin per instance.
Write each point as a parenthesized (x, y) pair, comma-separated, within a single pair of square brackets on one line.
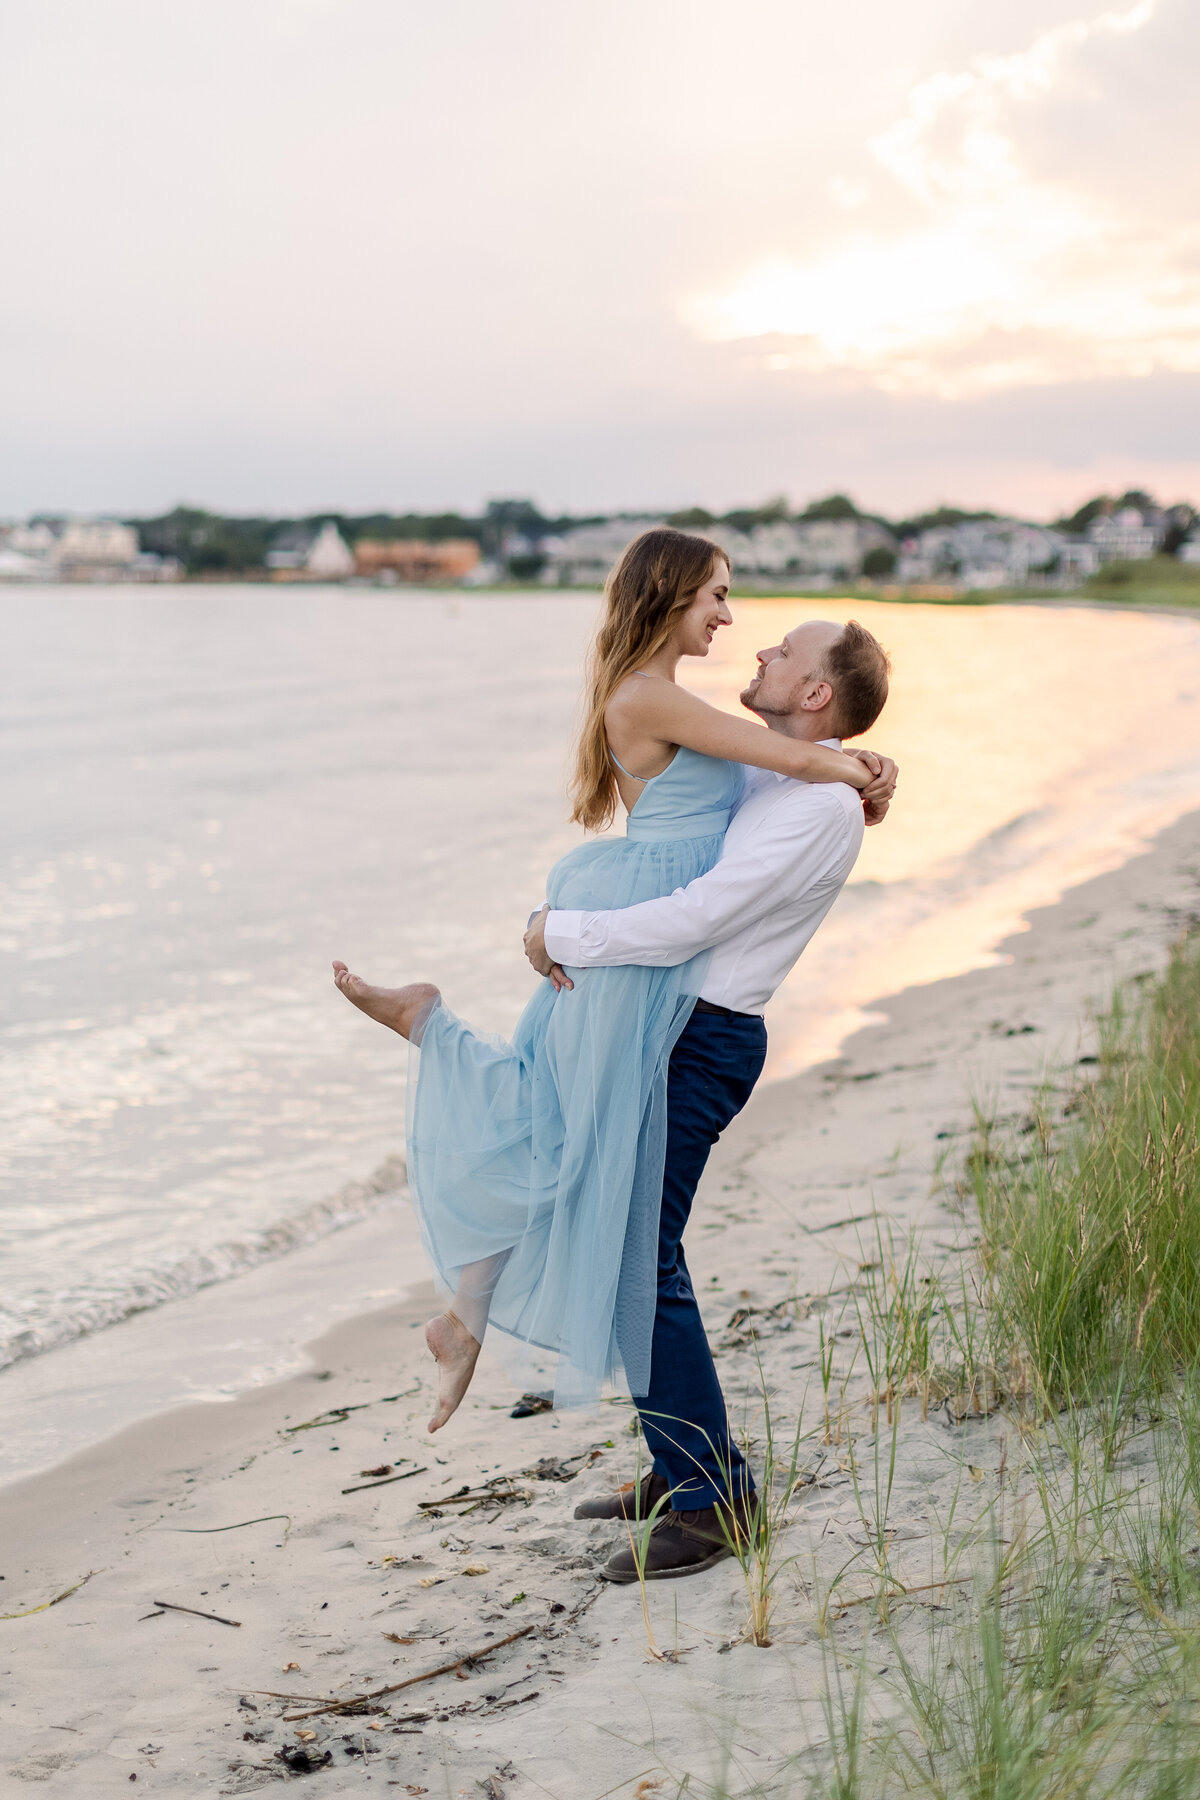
[(536, 1166)]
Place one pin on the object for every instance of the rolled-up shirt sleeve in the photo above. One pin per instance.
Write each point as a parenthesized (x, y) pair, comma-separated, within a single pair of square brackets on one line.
[(787, 857)]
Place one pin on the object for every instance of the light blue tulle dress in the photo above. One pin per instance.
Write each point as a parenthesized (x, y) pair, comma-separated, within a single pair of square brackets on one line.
[(537, 1165)]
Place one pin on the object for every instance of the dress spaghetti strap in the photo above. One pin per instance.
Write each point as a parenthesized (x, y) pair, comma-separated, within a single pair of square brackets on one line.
[(642, 778)]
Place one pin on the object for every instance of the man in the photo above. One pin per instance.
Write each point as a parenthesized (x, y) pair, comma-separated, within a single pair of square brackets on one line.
[(788, 852)]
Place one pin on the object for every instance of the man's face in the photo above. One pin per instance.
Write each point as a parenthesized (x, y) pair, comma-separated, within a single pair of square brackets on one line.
[(789, 677)]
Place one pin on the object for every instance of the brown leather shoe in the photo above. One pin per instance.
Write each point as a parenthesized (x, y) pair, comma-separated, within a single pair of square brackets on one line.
[(681, 1543), (636, 1500)]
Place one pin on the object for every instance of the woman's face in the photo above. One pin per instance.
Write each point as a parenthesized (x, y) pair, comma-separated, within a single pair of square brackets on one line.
[(697, 627)]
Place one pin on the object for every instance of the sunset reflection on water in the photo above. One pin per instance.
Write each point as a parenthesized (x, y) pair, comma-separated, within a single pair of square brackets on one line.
[(1037, 746), (211, 794)]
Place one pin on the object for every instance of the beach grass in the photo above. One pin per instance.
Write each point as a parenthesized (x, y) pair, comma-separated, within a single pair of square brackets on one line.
[(1039, 1637), (1159, 581), (1092, 1233), (1058, 1656)]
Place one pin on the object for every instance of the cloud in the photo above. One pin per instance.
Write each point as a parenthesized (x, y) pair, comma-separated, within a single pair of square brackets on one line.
[(975, 272)]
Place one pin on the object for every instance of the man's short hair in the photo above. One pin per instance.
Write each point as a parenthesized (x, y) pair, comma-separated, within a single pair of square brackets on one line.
[(857, 666)]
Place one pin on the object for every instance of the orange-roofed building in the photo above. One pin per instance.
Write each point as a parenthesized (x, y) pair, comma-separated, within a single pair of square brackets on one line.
[(415, 559)]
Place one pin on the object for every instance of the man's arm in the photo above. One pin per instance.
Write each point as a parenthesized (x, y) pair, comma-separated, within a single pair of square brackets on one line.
[(790, 854)]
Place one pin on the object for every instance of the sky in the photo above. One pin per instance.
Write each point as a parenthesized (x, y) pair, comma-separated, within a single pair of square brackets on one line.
[(288, 255)]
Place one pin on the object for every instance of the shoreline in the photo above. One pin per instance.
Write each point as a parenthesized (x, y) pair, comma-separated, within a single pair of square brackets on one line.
[(259, 1325), (228, 1339), (1050, 598), (784, 1209)]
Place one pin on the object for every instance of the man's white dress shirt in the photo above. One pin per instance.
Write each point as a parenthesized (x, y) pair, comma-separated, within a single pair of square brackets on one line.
[(788, 852)]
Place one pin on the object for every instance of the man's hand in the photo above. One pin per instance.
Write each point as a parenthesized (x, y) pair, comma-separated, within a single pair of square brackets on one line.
[(535, 950), (877, 795)]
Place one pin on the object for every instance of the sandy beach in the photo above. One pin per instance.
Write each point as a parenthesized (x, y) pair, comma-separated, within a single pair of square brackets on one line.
[(317, 1514)]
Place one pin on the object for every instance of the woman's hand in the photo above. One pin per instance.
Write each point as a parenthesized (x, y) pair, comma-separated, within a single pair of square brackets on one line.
[(878, 791)]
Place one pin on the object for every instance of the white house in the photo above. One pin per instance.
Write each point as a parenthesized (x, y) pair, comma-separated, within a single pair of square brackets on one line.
[(19, 565), (77, 550), (984, 553), (583, 557), (330, 558), (316, 554), (819, 550), (94, 549), (1123, 536), (33, 540)]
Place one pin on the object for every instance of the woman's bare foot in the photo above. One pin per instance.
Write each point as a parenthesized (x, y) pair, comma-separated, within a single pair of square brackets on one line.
[(456, 1352), (397, 1008)]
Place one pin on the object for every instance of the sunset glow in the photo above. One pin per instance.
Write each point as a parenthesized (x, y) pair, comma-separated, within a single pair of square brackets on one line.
[(313, 254), (975, 272)]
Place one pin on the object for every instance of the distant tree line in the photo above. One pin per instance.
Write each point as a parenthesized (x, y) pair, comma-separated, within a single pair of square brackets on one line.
[(216, 544), (209, 543)]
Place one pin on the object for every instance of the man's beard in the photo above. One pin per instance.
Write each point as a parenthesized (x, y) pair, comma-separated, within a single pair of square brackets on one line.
[(749, 699)]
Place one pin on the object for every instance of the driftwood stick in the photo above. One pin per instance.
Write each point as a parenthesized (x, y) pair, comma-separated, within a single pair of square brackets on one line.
[(360, 1487), (394, 1687), (499, 1491), (170, 1606)]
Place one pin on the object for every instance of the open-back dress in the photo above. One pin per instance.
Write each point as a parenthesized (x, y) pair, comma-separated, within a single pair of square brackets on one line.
[(537, 1164)]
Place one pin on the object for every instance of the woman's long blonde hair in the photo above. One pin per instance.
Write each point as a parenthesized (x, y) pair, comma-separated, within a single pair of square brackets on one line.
[(657, 578)]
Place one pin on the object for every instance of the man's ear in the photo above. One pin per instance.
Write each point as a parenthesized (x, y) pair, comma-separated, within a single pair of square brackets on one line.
[(817, 696)]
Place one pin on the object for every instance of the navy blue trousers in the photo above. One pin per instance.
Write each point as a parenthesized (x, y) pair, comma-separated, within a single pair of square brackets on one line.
[(713, 1069)]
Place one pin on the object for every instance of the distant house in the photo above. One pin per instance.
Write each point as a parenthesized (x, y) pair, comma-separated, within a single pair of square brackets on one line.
[(583, 557), (977, 554), (80, 550), (38, 539), (1124, 536), (816, 551), (836, 547), (94, 550), (1077, 559), (150, 566), (1189, 550), (416, 559), (311, 553), (19, 565)]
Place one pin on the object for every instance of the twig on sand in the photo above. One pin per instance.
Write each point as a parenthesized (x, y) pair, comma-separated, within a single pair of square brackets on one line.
[(337, 1415), (361, 1486), (47, 1604), (170, 1606), (208, 1530), (499, 1491), (502, 1490), (450, 1668)]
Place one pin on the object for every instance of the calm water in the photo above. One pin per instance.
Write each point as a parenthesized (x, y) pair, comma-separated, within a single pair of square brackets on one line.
[(210, 793)]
